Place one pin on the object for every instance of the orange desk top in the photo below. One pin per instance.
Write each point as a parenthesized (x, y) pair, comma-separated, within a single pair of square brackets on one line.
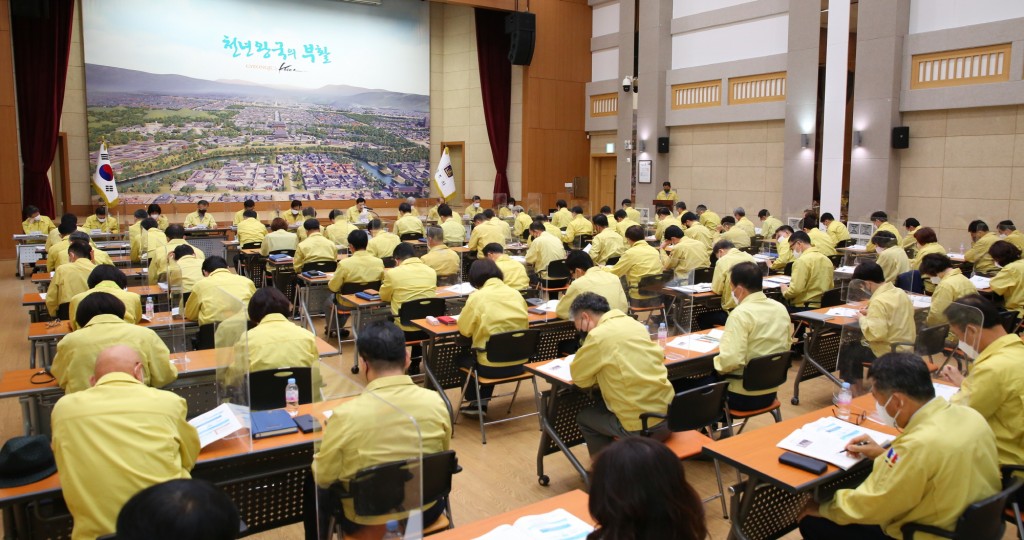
[(574, 502), (449, 329), (42, 330)]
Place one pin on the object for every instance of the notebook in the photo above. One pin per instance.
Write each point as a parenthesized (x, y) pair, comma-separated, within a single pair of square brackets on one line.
[(272, 423)]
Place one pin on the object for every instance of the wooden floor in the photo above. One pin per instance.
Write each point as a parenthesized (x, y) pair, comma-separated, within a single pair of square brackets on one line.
[(497, 477)]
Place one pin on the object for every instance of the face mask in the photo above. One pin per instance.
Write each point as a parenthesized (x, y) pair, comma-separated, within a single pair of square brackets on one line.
[(734, 299), (1002, 236), (102, 219), (202, 212), (971, 352), (935, 280), (509, 206), (797, 254), (155, 216), (295, 212), (883, 416), (783, 239), (879, 249), (36, 218)]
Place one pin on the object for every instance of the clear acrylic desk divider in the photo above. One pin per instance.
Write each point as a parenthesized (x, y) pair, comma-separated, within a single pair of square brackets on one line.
[(232, 357), (968, 322), (175, 301), (391, 489)]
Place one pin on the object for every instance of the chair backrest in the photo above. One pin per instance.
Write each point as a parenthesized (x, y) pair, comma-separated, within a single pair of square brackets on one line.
[(382, 489), (931, 340), (205, 339), (910, 281), (833, 297), (766, 372), (788, 271), (844, 243), (322, 266), (983, 520), (266, 388), (583, 240), (251, 245), (558, 270), (515, 347), (450, 279), (1009, 319), (703, 275), (410, 236), (652, 284), (389, 262), (421, 309), (837, 260), (697, 407), (612, 260), (352, 288), (288, 252), (64, 311)]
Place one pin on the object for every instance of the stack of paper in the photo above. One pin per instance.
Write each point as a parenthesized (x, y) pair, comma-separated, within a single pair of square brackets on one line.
[(763, 257), (42, 295), (222, 421), (945, 390), (550, 306), (770, 284), (559, 367), (980, 282), (921, 302), (586, 250), (694, 289), (857, 247), (520, 258), (842, 312), (461, 288), (555, 525), (779, 279), (826, 439), (845, 269), (701, 343)]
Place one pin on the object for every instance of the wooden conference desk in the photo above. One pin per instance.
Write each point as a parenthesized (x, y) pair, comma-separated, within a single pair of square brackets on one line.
[(575, 502)]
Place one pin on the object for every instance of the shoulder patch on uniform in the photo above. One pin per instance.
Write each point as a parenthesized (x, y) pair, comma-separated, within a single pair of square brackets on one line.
[(891, 457)]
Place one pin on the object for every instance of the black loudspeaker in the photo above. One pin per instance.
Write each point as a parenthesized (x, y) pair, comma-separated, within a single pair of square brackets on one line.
[(901, 137), (521, 26), (662, 145)]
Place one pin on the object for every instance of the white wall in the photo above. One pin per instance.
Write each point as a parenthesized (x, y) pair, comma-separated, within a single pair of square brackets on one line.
[(606, 20), (604, 65), (930, 15), (682, 8), (753, 39)]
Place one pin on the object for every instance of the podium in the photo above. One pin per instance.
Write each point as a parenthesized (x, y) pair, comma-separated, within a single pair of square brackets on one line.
[(666, 204)]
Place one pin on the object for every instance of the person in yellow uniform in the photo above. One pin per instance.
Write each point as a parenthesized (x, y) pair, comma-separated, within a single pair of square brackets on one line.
[(58, 254), (69, 279), (359, 267), (686, 254), (474, 208), (451, 224), (522, 222), (727, 256), (835, 229), (358, 213), (493, 309), (619, 358), (100, 318), (201, 217), (607, 211), (950, 284), (579, 225), (586, 277), (928, 476), (881, 222), (548, 227), (756, 327), (307, 213), (150, 238), (680, 209), (697, 231), (277, 342), (544, 249), (911, 225), (35, 223), (410, 279), (294, 215), (1008, 231), (135, 234), (731, 232), (562, 216), (506, 210), (812, 274), (185, 270), (120, 435), (819, 238), (623, 222), (514, 272), (108, 279), (411, 201), (742, 223), (769, 223), (665, 220), (887, 320), (158, 255), (382, 244), (994, 386), (1009, 282), (432, 214), (315, 248), (638, 261), (927, 244), (891, 256), (408, 223), (339, 228), (631, 213), (279, 238), (440, 257), (978, 254), (63, 231), (785, 254), (607, 243), (370, 429), (69, 222), (248, 204), (156, 213), (250, 230), (215, 297), (708, 218), (102, 221), (666, 193)]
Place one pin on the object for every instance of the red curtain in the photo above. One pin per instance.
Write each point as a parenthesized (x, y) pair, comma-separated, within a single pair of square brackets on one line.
[(41, 35), (496, 87)]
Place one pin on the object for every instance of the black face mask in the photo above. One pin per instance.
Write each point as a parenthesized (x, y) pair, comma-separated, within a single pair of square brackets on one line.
[(202, 213)]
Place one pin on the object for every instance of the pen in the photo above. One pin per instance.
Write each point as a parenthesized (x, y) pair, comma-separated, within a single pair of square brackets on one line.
[(862, 443)]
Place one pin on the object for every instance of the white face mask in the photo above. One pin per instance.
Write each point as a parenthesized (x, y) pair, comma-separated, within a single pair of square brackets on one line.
[(935, 280), (1002, 236), (883, 415), (155, 216), (36, 218), (797, 254), (102, 219), (971, 352), (783, 238), (879, 249), (734, 299), (295, 212)]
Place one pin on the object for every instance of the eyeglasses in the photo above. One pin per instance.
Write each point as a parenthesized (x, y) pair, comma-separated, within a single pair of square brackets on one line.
[(857, 415)]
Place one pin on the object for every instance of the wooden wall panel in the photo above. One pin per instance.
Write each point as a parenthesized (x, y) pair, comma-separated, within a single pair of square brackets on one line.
[(10, 162)]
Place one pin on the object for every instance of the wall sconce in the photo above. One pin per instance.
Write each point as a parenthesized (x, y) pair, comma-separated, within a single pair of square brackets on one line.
[(643, 145), (858, 138), (805, 140), (627, 144)]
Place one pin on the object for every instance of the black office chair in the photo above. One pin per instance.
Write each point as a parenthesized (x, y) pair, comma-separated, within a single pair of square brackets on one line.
[(1010, 320), (1015, 502), (703, 275), (845, 243), (320, 266), (764, 373), (557, 280), (690, 411), (831, 298), (651, 287), (929, 342), (612, 261), (450, 279), (504, 349), (266, 388), (288, 252), (788, 271), (410, 236), (382, 489), (205, 338), (337, 314), (251, 245), (981, 520), (419, 309), (837, 260), (582, 240), (63, 311)]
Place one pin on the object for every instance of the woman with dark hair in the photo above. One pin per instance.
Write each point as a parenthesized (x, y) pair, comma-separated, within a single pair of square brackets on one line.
[(1009, 282), (638, 491), (927, 243), (276, 341)]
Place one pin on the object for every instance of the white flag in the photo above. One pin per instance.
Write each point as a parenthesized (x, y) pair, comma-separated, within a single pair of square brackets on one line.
[(103, 180), (444, 178)]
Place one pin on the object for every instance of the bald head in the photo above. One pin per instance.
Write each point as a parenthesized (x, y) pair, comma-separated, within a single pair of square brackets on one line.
[(117, 359)]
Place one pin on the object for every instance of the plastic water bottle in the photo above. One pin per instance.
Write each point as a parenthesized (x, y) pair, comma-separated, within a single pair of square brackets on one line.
[(962, 248), (843, 402), (149, 308), (662, 335), (392, 532), (291, 398)]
